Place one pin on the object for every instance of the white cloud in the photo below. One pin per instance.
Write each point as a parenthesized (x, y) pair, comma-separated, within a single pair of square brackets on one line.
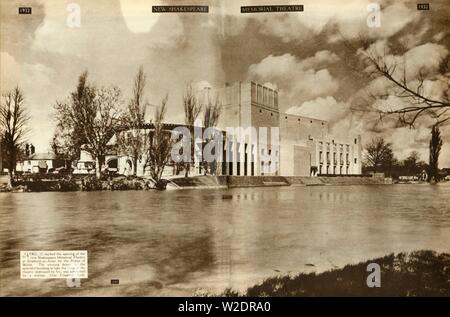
[(323, 108), (299, 80), (404, 140), (347, 18), (414, 38), (103, 35), (423, 59), (427, 57)]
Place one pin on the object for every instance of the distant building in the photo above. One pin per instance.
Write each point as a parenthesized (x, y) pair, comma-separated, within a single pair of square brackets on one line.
[(39, 163), (303, 147), (306, 148)]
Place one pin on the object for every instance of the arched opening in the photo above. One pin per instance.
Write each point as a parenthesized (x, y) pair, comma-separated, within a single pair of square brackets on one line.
[(128, 169), (112, 163)]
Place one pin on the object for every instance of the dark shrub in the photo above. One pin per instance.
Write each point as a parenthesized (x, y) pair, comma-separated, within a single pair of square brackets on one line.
[(91, 183), (419, 273), (68, 185)]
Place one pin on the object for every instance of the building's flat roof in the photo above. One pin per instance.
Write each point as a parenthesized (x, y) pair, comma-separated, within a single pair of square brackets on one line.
[(302, 117), (42, 156)]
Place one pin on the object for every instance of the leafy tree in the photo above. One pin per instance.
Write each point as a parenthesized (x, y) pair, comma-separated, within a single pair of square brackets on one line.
[(159, 146), (211, 116), (379, 155), (132, 140), (435, 150), (69, 136), (411, 163), (89, 119), (192, 110)]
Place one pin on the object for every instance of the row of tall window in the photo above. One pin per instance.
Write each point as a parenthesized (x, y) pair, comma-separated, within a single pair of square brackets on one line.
[(264, 96), (335, 161)]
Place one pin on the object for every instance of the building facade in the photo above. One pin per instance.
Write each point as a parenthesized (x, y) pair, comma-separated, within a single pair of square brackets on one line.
[(258, 140), (39, 163), (301, 147)]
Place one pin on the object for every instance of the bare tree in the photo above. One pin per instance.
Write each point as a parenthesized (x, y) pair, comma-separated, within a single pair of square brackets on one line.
[(435, 150), (411, 90), (132, 140), (211, 117), (159, 145), (211, 114), (90, 118), (13, 121), (192, 110), (379, 154)]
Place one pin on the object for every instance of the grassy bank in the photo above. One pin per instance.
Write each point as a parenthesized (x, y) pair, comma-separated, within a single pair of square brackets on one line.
[(419, 273)]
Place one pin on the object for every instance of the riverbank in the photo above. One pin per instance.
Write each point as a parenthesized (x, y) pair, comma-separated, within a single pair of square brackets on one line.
[(41, 183), (198, 182), (419, 273), (55, 183)]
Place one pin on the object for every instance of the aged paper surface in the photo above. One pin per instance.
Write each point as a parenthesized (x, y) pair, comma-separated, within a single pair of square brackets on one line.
[(205, 147)]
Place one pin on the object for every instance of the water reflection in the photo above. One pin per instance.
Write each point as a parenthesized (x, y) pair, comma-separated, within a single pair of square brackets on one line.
[(171, 243)]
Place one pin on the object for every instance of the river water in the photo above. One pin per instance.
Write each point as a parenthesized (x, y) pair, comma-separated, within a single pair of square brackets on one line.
[(191, 241)]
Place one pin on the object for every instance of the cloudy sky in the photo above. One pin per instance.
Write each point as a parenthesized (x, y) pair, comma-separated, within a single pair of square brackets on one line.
[(306, 55)]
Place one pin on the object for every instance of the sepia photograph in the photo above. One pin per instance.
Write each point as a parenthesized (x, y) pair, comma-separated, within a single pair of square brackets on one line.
[(224, 149)]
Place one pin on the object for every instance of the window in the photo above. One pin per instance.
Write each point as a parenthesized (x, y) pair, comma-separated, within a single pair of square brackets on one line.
[(260, 110), (254, 96), (355, 160), (356, 141), (265, 96), (271, 103), (260, 94)]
